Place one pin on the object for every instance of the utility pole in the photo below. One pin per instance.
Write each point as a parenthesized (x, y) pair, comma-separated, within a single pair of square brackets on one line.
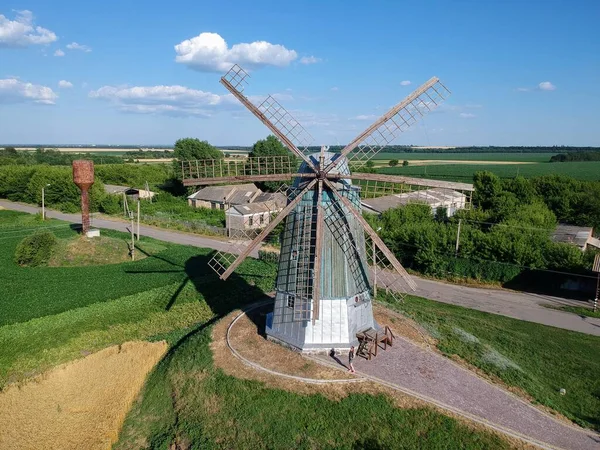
[(138, 220), (44, 202), (596, 268), (124, 205), (457, 237), (374, 270), (132, 237)]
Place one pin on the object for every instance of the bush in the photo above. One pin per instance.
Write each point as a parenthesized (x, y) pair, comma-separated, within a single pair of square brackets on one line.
[(36, 249), (269, 257)]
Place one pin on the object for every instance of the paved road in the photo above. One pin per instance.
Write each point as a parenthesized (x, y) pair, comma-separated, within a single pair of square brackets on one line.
[(438, 380), (518, 305)]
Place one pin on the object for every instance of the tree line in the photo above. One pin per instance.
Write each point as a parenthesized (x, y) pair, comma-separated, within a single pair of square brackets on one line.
[(576, 156), (506, 233)]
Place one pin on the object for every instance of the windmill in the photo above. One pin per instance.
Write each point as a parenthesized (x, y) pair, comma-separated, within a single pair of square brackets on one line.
[(331, 259)]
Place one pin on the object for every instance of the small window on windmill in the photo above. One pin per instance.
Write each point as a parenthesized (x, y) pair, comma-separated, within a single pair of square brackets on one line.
[(294, 255), (290, 301)]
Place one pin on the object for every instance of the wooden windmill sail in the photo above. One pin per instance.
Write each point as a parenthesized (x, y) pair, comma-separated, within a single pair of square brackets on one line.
[(330, 256)]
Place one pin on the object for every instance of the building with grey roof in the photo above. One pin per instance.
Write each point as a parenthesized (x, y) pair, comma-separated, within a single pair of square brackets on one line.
[(223, 197), (582, 237), (436, 198)]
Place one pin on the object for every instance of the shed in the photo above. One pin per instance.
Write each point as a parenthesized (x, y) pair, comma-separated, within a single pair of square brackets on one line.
[(579, 236), (449, 199), (134, 193), (255, 215), (222, 197)]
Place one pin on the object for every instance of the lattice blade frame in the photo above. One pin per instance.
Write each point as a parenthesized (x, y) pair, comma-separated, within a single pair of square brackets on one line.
[(289, 126), (235, 78), (396, 121), (384, 277)]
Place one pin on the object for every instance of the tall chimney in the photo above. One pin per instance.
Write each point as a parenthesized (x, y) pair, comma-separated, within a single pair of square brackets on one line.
[(83, 176)]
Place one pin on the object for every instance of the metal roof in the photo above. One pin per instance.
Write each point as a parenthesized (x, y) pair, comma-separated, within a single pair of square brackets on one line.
[(271, 203), (572, 234), (233, 194), (432, 197)]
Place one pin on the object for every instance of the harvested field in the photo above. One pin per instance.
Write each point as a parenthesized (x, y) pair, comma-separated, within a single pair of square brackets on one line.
[(79, 405)]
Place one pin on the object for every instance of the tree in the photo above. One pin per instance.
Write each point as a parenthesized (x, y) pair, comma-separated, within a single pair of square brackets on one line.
[(271, 146), (405, 163), (192, 148), (487, 188), (393, 162)]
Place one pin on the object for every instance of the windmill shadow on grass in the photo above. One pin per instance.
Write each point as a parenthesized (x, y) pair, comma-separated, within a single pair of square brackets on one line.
[(222, 298)]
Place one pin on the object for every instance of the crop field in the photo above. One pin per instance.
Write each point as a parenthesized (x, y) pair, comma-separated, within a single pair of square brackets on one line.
[(504, 157), (589, 171)]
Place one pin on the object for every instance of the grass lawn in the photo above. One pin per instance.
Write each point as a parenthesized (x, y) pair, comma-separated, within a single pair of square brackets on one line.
[(589, 171), (188, 401), (581, 311), (54, 314), (539, 359)]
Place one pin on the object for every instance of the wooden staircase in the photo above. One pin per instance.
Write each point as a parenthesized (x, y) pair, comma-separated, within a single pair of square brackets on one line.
[(371, 340)]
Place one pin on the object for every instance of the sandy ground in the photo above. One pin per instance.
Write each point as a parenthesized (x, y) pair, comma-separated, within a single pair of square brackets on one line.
[(78, 405)]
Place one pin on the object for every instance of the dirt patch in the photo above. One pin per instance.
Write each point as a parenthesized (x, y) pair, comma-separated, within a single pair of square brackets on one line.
[(245, 337), (226, 361), (77, 405)]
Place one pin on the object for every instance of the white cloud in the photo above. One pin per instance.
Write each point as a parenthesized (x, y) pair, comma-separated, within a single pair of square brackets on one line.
[(405, 83), (65, 84), (76, 46), (59, 52), (467, 115), (13, 90), (170, 100), (543, 86), (22, 32), (335, 89), (364, 117), (309, 60), (546, 86), (209, 52)]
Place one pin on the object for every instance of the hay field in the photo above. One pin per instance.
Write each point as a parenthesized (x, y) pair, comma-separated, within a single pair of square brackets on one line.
[(79, 405)]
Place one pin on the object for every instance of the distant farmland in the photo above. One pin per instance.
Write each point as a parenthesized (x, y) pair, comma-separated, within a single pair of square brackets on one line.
[(463, 172)]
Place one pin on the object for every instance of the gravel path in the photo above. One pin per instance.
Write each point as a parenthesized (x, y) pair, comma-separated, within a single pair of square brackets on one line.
[(440, 381)]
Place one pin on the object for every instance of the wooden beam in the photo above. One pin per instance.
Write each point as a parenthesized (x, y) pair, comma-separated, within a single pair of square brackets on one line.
[(238, 178), (407, 180), (318, 249), (254, 110), (258, 239), (376, 239)]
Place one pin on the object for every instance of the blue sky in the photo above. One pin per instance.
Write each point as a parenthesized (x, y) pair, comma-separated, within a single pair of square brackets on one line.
[(521, 72)]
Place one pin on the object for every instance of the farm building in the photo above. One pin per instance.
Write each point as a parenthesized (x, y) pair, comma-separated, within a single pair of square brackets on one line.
[(582, 237), (436, 198), (131, 192), (223, 197), (253, 216)]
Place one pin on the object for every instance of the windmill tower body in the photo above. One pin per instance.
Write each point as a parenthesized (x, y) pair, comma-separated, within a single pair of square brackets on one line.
[(322, 289), (345, 306)]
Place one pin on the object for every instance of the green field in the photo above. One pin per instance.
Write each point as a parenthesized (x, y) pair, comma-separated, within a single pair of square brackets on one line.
[(173, 295), (589, 171), (520, 157), (536, 358)]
